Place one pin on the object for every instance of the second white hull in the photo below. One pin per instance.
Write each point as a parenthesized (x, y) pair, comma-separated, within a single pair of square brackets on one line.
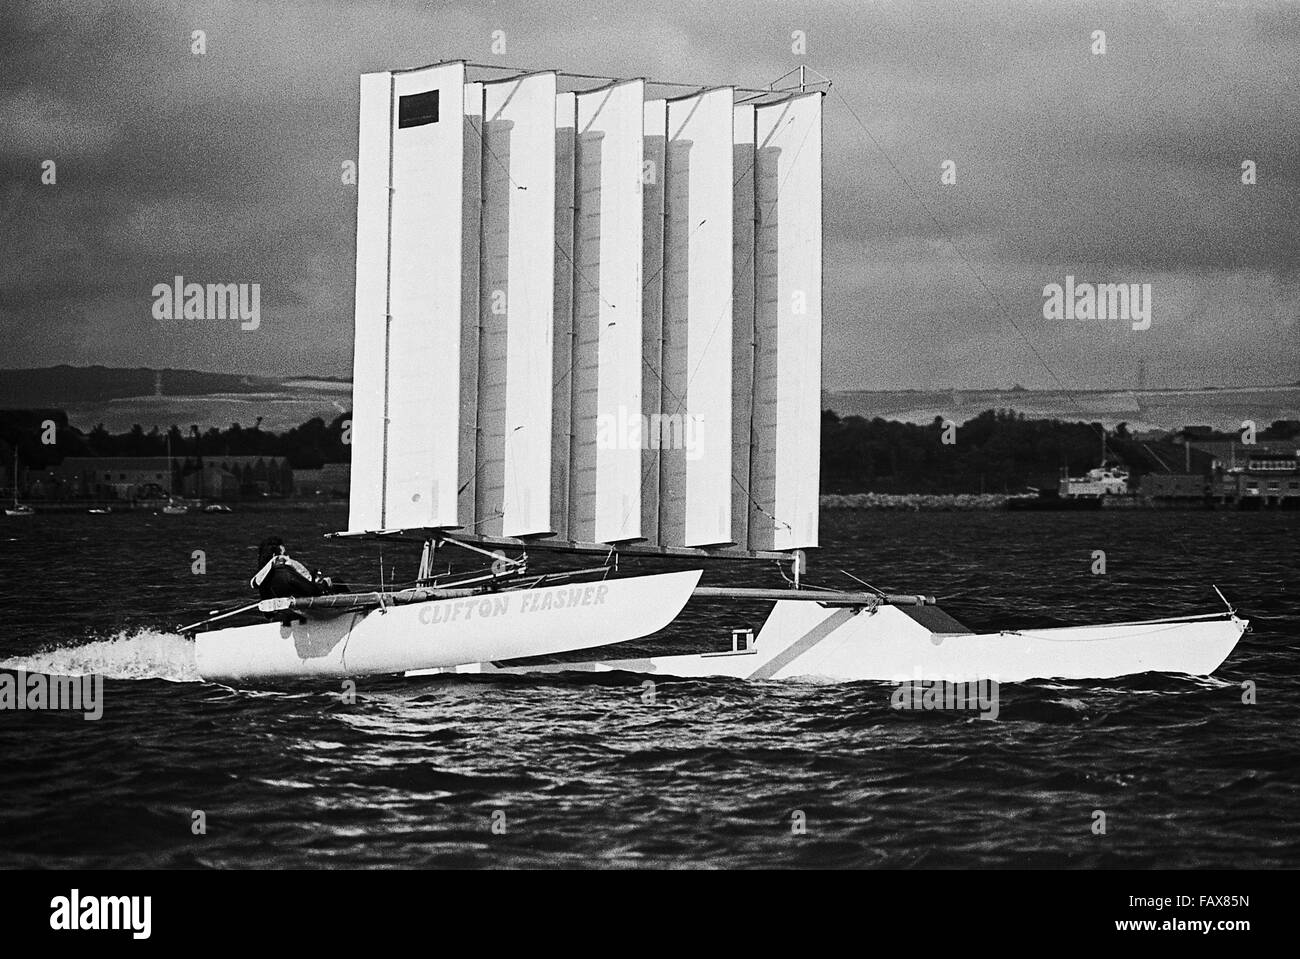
[(807, 641)]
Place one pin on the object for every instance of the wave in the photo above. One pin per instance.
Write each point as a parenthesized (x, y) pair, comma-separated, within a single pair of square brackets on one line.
[(140, 654)]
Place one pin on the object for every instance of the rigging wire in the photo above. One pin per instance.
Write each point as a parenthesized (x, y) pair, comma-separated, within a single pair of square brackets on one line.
[(943, 232), (593, 286), (595, 76), (681, 400)]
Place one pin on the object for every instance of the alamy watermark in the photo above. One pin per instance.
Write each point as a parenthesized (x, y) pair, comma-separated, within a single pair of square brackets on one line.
[(1098, 301), (21, 690), (625, 430), (933, 694), (76, 912), (179, 300)]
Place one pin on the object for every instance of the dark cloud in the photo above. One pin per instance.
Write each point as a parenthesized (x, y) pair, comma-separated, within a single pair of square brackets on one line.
[(1126, 167)]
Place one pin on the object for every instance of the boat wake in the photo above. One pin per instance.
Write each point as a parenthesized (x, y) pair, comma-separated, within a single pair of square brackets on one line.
[(142, 654)]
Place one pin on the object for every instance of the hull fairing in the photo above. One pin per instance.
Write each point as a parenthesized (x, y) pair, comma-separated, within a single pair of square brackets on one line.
[(508, 624), (806, 641)]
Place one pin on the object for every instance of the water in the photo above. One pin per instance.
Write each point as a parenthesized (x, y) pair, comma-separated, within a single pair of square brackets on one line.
[(581, 771)]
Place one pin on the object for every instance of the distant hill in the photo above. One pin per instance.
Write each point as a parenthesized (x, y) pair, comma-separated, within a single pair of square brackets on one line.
[(1223, 408), (61, 385), (120, 398)]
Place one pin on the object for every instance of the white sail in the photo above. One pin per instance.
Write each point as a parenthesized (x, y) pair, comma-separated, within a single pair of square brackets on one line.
[(697, 320), (516, 290), (414, 419), (653, 165), (562, 379), (369, 360), (424, 299), (744, 214), (471, 229), (621, 342), (494, 266), (607, 306), (787, 398)]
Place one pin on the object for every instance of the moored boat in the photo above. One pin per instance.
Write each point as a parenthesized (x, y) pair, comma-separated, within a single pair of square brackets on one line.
[(173, 507), (18, 509)]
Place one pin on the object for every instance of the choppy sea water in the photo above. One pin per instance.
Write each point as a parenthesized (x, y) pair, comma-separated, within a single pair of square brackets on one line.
[(580, 771)]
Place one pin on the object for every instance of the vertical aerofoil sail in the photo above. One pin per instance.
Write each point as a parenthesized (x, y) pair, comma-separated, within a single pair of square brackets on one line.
[(788, 311), (408, 298), (471, 232), (562, 380), (744, 214), (696, 481), (607, 314), (653, 177), (519, 289), (585, 316)]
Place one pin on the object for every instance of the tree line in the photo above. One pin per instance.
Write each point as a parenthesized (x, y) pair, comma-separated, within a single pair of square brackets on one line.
[(996, 451), (308, 446)]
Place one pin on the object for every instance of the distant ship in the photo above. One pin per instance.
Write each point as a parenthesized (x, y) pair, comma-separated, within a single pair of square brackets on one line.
[(1099, 482), (1086, 492)]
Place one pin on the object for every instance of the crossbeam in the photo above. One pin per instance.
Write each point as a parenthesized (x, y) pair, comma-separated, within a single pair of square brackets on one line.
[(423, 594), (399, 597), (550, 544), (827, 598)]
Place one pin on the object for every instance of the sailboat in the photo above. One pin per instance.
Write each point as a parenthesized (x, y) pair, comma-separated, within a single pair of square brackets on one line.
[(18, 509), (615, 351), (172, 508)]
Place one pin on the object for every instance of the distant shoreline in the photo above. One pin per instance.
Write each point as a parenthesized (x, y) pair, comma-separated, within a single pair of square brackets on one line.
[(914, 501)]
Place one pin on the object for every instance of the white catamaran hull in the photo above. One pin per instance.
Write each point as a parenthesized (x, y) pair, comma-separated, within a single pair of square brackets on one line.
[(447, 632), (805, 640)]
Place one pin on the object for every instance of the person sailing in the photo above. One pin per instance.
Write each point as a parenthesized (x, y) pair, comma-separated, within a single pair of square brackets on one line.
[(279, 574)]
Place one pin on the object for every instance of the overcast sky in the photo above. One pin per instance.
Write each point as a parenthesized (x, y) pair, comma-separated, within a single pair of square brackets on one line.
[(1124, 167)]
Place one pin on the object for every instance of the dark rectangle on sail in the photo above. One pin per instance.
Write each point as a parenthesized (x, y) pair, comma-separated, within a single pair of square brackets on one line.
[(417, 109)]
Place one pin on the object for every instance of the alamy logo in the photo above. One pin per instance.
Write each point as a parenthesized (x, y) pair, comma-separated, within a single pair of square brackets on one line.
[(19, 690), (75, 912), (179, 300), (928, 694), (624, 430), (1098, 301)]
